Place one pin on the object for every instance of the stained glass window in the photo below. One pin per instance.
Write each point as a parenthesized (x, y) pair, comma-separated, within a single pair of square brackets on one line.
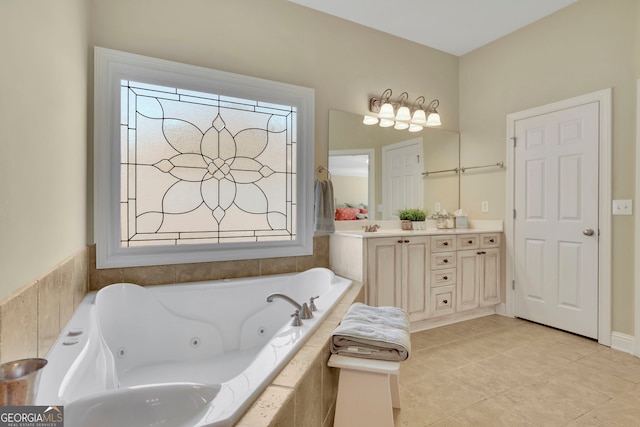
[(204, 168), (194, 164)]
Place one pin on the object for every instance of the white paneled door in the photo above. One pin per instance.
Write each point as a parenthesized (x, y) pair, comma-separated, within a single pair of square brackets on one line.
[(556, 219), (402, 177)]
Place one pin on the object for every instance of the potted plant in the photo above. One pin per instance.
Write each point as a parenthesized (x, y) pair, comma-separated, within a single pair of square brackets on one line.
[(408, 216)]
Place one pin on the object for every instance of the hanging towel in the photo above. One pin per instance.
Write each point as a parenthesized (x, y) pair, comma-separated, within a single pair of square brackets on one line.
[(324, 211), (380, 333)]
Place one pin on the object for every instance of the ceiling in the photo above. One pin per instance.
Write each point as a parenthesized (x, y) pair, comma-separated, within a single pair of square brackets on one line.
[(453, 26)]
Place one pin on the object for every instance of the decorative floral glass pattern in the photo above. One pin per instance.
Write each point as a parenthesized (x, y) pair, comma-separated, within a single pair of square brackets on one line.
[(203, 168)]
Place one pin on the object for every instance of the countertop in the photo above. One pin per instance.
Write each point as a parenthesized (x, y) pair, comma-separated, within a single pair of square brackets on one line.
[(390, 229)]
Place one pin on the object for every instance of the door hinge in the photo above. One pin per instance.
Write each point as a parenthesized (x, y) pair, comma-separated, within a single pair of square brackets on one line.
[(513, 138), (514, 214), (513, 285)]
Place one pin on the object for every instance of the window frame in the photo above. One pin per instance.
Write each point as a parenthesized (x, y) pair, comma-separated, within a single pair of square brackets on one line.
[(110, 68)]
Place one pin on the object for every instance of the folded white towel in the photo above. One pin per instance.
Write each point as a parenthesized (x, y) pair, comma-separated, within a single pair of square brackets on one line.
[(373, 333)]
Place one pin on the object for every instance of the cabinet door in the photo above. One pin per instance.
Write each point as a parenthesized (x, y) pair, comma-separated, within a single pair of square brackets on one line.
[(490, 284), (469, 276), (384, 278), (415, 277)]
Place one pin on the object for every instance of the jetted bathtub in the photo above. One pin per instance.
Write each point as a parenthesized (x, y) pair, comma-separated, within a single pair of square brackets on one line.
[(194, 354)]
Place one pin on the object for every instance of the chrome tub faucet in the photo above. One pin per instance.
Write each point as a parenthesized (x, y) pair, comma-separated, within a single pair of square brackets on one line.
[(305, 312)]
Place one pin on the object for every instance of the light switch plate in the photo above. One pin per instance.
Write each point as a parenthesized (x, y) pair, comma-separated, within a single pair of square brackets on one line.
[(484, 206), (622, 207)]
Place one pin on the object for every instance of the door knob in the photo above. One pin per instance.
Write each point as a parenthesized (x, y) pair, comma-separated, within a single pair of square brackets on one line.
[(588, 232)]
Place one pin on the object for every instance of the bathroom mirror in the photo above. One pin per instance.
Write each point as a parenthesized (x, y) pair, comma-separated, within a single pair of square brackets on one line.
[(356, 164)]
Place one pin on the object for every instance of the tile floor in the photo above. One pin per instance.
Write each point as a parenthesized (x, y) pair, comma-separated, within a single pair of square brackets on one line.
[(498, 371)]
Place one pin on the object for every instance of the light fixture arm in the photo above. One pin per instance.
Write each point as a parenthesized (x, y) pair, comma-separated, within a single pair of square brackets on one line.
[(432, 106), (402, 99), (418, 103)]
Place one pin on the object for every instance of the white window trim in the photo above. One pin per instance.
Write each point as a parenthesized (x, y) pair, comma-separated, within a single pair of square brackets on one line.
[(113, 66)]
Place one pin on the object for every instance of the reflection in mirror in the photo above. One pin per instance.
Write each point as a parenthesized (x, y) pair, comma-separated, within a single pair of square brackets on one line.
[(347, 135), (353, 176)]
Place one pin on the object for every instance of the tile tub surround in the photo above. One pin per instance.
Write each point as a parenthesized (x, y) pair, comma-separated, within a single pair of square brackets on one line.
[(304, 392), (182, 273), (32, 317)]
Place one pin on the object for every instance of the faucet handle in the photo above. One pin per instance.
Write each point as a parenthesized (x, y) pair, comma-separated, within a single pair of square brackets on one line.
[(312, 305), (295, 319)]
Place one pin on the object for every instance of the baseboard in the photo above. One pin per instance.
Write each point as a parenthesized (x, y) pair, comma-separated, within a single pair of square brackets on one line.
[(501, 309), (623, 342), (435, 322)]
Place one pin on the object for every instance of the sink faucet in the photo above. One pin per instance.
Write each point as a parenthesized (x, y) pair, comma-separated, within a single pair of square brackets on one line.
[(305, 312), (371, 228)]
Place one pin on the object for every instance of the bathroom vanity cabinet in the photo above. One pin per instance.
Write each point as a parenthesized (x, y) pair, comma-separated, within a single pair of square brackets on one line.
[(435, 276), (478, 268), (397, 272)]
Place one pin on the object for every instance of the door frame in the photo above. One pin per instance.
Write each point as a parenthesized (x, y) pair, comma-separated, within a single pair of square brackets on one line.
[(636, 308), (603, 97)]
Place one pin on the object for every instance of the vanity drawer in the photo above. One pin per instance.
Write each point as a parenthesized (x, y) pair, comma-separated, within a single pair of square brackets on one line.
[(490, 240), (468, 241), (442, 300), (443, 243), (443, 260), (443, 277)]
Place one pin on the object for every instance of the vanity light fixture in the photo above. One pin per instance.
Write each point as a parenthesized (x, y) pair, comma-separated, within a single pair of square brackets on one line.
[(403, 114), (419, 115), (370, 120), (434, 118), (385, 107), (398, 114)]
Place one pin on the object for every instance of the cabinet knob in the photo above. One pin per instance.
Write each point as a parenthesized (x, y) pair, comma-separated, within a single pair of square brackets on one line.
[(445, 260), (478, 253), (470, 242), (406, 241), (444, 301), (399, 241), (445, 243), (445, 278), (491, 240)]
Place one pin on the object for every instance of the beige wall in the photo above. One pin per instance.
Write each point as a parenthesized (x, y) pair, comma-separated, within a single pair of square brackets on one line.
[(43, 45), (43, 107), (345, 63), (43, 137), (638, 43), (588, 46)]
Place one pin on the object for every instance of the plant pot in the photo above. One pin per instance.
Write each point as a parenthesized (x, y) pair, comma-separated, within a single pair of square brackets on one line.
[(405, 224)]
